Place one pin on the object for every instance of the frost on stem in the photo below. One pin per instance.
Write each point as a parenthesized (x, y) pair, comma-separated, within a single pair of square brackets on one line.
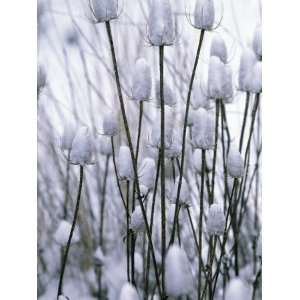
[(104, 10), (82, 147), (62, 233), (128, 292), (137, 223), (215, 224), (147, 172), (41, 78), (178, 274), (219, 80), (247, 63), (141, 81), (169, 97), (125, 166), (161, 23), (235, 163), (204, 14), (237, 289), (203, 130), (67, 137), (184, 192), (110, 126), (218, 48), (257, 43)]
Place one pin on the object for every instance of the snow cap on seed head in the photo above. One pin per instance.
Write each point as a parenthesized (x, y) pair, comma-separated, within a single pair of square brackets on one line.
[(199, 99), (257, 43), (125, 167), (161, 23), (204, 14), (82, 147), (169, 97), (128, 292), (178, 276), (104, 10), (197, 161), (141, 81), (62, 233), (247, 63), (255, 85), (235, 163), (219, 83), (237, 289), (137, 222), (203, 130), (184, 197), (110, 124), (147, 174), (218, 48), (105, 146), (215, 224), (174, 150), (67, 137)]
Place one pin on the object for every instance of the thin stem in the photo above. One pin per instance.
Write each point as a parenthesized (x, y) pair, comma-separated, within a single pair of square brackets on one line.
[(184, 134), (127, 232), (244, 121), (162, 163), (60, 284)]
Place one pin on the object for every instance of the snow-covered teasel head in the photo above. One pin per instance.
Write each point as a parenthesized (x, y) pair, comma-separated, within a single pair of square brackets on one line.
[(103, 10), (257, 42), (255, 85), (41, 78), (185, 197), (147, 172), (204, 14), (216, 84), (174, 150), (237, 289), (105, 146), (197, 161), (178, 274), (169, 97), (203, 131), (67, 137), (161, 31), (215, 224), (137, 222), (218, 48), (199, 99), (141, 81), (128, 292), (110, 125), (247, 63), (235, 163), (82, 148), (125, 167), (62, 233)]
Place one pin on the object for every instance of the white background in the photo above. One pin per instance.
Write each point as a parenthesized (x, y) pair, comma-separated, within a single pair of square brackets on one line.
[(281, 151)]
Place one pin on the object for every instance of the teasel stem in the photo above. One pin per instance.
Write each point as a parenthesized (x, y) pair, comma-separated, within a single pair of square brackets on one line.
[(151, 227), (162, 164), (127, 232), (211, 198), (244, 121), (101, 229), (62, 272), (201, 222), (134, 163), (172, 238)]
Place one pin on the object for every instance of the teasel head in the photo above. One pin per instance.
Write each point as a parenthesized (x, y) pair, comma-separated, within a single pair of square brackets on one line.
[(215, 224), (124, 162), (203, 130), (247, 62), (199, 99), (146, 173), (218, 48), (68, 135), (235, 163), (237, 289), (105, 147), (204, 14), (110, 125), (141, 81), (255, 85), (161, 29), (257, 42), (185, 197), (103, 10), (169, 97), (62, 233), (82, 148), (178, 274), (137, 223), (197, 161), (128, 292)]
